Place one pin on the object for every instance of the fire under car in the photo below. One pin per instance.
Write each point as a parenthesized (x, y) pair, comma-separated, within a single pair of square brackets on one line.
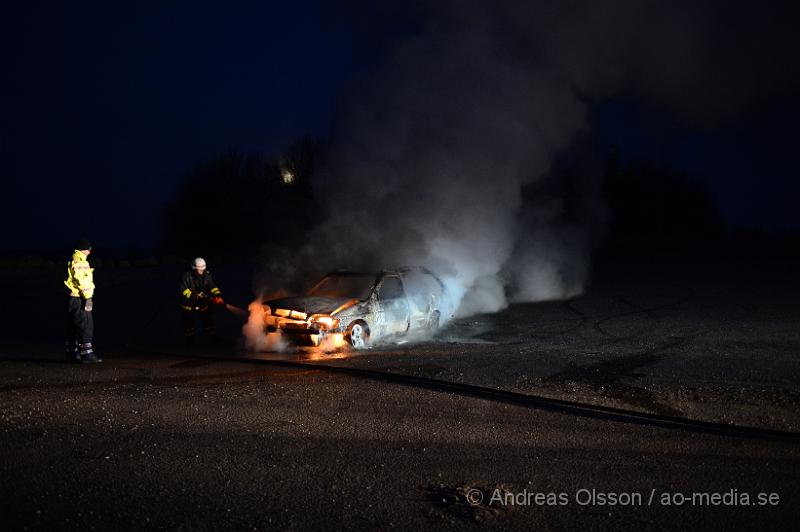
[(360, 308)]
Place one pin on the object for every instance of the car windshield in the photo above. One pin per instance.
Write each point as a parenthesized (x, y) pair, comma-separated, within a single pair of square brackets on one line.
[(352, 286)]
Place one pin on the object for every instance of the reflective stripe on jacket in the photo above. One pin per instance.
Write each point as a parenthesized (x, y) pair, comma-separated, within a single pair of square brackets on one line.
[(80, 277), (191, 287)]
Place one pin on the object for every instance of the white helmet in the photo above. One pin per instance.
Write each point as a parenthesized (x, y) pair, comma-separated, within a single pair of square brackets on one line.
[(199, 263)]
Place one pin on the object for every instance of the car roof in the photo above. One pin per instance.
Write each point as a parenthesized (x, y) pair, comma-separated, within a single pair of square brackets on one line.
[(397, 271), (349, 273)]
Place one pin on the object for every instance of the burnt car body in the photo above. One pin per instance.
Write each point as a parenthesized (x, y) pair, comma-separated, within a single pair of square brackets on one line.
[(360, 307)]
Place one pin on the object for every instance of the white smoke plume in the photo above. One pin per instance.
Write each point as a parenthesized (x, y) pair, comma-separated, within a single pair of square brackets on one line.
[(429, 165), (434, 149), (255, 337)]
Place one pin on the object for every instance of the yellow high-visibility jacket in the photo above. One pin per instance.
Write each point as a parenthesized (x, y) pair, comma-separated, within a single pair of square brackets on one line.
[(80, 279)]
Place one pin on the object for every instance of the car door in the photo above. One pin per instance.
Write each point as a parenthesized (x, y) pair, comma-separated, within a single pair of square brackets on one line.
[(422, 293), (393, 311)]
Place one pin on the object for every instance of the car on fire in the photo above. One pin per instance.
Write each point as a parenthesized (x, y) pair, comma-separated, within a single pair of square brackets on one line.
[(360, 308)]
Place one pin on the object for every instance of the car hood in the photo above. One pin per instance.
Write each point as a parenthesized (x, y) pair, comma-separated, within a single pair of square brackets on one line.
[(310, 304)]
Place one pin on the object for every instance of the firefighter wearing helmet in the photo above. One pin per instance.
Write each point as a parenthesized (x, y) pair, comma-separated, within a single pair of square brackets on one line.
[(80, 323), (199, 293)]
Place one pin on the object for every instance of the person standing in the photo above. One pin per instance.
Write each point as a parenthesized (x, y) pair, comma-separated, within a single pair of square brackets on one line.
[(80, 323), (198, 292)]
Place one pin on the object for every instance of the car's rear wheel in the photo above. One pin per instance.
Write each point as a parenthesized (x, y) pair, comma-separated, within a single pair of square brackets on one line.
[(358, 335)]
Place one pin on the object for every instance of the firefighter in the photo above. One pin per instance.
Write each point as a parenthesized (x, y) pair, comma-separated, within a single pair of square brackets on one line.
[(80, 323), (198, 293)]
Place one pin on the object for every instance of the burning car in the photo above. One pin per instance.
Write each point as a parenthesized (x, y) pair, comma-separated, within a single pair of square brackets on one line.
[(360, 308)]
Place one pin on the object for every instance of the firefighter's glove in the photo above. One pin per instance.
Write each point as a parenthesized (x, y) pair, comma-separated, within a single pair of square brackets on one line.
[(87, 305), (217, 300)]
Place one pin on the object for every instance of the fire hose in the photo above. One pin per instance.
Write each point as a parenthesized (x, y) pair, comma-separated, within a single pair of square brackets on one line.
[(236, 311), (233, 309), (577, 409), (537, 402)]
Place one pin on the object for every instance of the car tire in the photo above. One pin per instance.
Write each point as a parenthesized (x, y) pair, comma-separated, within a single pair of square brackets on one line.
[(358, 335)]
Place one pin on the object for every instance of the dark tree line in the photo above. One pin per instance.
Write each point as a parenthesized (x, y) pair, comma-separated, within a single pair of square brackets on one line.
[(658, 204), (238, 201)]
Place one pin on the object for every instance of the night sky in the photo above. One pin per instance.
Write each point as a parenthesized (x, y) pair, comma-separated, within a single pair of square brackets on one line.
[(108, 105), (748, 165)]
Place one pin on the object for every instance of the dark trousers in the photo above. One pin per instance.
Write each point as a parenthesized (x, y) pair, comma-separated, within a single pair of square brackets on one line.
[(206, 320), (80, 324)]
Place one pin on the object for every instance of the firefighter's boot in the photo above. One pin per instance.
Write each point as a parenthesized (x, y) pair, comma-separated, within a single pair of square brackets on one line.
[(71, 352), (87, 354)]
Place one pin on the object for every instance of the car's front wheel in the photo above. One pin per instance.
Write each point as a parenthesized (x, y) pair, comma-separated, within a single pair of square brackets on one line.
[(358, 335)]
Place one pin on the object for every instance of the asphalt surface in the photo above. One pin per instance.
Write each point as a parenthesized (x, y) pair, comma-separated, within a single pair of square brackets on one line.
[(164, 436)]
